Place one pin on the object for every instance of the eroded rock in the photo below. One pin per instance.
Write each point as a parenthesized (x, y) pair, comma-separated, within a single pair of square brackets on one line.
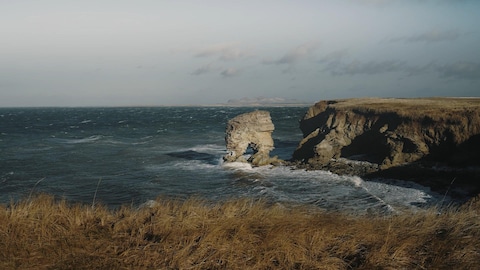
[(432, 141), (254, 130), (392, 132)]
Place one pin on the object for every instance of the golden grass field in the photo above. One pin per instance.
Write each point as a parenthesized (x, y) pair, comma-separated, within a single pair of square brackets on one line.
[(415, 108), (48, 233)]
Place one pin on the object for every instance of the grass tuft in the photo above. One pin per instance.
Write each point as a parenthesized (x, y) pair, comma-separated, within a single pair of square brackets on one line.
[(46, 233)]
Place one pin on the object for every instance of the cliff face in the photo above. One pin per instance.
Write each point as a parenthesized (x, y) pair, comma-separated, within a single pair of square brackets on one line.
[(392, 132)]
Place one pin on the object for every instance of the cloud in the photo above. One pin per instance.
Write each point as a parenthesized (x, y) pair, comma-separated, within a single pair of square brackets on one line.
[(211, 68), (335, 56), (419, 69), (384, 3), (229, 72), (373, 2), (459, 70), (205, 69), (334, 59), (429, 37), (224, 52), (368, 68), (295, 55), (221, 52)]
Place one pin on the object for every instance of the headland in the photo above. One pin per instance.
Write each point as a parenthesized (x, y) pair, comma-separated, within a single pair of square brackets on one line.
[(433, 141)]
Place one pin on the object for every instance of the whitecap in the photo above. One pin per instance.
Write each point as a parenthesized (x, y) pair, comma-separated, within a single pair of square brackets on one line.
[(194, 165), (332, 190), (82, 140), (39, 149), (403, 194), (357, 181), (206, 148), (244, 166), (5, 177), (149, 204), (86, 121), (112, 141), (220, 161), (185, 165)]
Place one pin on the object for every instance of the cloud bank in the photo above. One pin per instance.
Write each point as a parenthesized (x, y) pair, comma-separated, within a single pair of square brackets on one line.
[(431, 36), (459, 70), (223, 52), (300, 53)]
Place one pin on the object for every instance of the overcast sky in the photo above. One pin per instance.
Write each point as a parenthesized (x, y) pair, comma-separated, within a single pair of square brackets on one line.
[(127, 53)]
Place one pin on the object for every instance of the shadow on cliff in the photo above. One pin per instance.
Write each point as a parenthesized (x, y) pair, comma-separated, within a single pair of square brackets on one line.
[(369, 146), (308, 127), (450, 169)]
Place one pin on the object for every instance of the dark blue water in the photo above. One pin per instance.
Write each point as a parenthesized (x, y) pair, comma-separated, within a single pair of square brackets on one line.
[(137, 154)]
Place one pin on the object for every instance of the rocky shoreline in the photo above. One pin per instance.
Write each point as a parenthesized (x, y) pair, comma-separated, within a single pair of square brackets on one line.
[(432, 141), (460, 184)]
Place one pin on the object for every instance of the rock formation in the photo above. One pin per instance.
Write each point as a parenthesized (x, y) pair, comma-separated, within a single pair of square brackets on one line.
[(253, 129), (392, 132)]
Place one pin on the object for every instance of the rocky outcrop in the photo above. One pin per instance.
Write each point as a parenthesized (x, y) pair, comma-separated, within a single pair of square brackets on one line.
[(254, 130), (392, 132)]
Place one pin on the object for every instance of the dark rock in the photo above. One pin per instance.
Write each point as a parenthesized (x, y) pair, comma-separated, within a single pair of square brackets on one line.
[(395, 138)]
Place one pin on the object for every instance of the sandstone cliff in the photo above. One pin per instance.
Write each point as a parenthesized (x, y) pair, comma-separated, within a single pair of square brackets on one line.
[(254, 130), (390, 133)]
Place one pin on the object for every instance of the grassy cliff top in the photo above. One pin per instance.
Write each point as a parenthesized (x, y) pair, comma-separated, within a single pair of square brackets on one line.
[(414, 108), (416, 104)]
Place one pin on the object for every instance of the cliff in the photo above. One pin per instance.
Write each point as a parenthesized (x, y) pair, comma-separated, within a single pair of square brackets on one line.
[(389, 133)]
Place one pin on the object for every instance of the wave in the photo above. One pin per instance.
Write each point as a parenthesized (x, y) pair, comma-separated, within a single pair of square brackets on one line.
[(144, 140), (6, 176), (38, 149), (89, 139), (404, 194), (208, 148), (242, 166), (113, 140), (386, 195), (175, 167), (196, 156), (334, 191), (207, 153)]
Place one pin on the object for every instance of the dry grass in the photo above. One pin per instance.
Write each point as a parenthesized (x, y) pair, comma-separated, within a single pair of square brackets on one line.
[(435, 108), (44, 233)]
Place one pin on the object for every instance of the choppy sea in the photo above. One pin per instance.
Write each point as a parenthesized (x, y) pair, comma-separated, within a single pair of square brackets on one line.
[(132, 155)]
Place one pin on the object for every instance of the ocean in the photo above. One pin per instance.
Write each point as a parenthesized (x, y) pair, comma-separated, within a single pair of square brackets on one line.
[(129, 156)]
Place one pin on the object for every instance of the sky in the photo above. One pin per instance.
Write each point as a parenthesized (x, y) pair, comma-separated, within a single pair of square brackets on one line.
[(158, 52)]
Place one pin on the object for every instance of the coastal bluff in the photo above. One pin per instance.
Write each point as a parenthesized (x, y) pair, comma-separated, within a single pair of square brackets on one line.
[(382, 134)]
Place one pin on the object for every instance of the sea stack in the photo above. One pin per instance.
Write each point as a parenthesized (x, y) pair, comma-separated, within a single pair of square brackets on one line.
[(253, 129)]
